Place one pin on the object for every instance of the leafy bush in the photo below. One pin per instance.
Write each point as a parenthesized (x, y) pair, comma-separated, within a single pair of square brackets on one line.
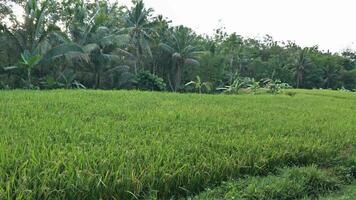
[(253, 85), (234, 87), (147, 81), (343, 89), (250, 85), (275, 86)]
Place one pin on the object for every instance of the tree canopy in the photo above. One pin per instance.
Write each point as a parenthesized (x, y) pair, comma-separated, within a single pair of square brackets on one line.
[(101, 45)]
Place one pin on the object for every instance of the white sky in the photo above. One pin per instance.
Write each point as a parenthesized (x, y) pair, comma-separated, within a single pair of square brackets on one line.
[(331, 24)]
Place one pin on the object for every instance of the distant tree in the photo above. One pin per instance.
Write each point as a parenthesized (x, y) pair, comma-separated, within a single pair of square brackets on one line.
[(300, 65), (34, 38), (100, 44), (140, 29), (183, 51)]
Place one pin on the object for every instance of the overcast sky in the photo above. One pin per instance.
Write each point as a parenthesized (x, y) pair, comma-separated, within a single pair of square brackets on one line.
[(331, 24)]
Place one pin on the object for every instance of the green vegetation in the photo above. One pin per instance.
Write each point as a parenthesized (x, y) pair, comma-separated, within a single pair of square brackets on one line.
[(84, 144), (102, 45), (347, 194), (293, 183), (275, 143)]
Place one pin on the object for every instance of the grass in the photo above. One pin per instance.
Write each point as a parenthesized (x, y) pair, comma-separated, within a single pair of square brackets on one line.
[(349, 193), (136, 145), (290, 183)]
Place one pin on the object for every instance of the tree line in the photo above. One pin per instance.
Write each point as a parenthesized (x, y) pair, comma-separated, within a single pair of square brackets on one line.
[(101, 45)]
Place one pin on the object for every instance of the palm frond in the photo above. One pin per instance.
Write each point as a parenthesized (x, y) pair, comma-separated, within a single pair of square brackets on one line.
[(10, 68), (90, 47), (166, 47), (190, 83), (190, 61), (62, 50)]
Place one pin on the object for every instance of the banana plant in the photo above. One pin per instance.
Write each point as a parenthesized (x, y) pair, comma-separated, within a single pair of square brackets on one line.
[(29, 62), (33, 43), (253, 85), (234, 88), (275, 86), (199, 85)]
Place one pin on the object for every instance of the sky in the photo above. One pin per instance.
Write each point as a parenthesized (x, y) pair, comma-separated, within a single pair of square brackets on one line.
[(330, 24)]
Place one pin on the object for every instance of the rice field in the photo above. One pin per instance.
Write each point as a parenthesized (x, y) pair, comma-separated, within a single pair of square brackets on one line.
[(85, 144)]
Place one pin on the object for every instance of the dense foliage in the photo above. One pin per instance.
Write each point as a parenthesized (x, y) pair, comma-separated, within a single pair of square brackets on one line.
[(85, 144), (81, 44)]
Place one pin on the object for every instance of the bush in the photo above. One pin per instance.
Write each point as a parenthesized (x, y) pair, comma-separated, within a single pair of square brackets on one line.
[(275, 86), (147, 81)]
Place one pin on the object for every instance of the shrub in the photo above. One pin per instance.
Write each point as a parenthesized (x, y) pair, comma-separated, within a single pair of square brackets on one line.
[(275, 86), (234, 87), (147, 81)]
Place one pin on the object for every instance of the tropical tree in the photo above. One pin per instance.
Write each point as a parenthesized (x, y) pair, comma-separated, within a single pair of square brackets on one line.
[(34, 40), (160, 59), (183, 51), (139, 29), (100, 44), (233, 49), (94, 31), (301, 63), (104, 59)]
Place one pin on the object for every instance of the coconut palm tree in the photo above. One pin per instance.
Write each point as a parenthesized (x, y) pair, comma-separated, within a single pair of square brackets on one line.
[(139, 29), (100, 40), (330, 73), (33, 38), (183, 51), (300, 65)]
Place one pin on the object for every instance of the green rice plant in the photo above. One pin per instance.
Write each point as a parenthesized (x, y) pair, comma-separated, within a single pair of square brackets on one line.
[(84, 144), (289, 183)]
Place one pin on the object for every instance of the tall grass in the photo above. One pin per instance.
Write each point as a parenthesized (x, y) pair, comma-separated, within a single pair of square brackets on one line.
[(132, 145)]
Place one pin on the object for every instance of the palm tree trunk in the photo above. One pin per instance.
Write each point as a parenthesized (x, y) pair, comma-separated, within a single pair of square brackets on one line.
[(29, 78), (299, 79), (135, 67), (239, 69), (178, 78), (170, 82), (138, 60), (97, 80), (231, 64)]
